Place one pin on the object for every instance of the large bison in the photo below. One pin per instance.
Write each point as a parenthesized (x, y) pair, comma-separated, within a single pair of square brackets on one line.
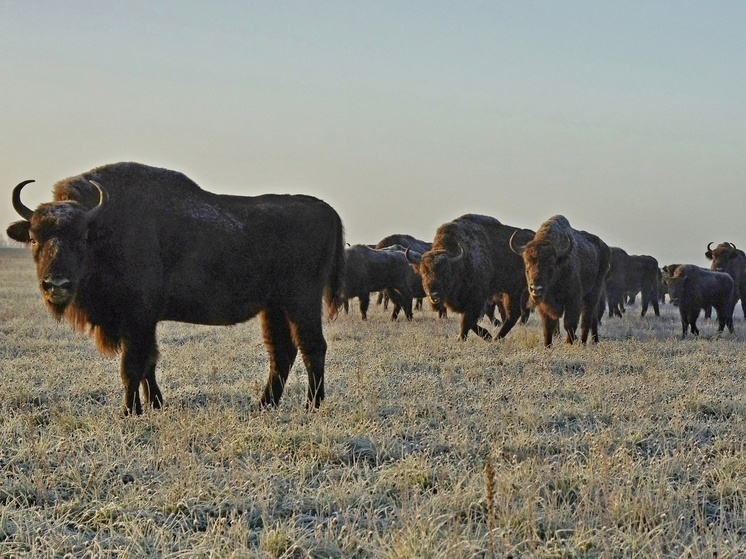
[(368, 269), (694, 288), (731, 260), (630, 274), (565, 272), (469, 264), (125, 246)]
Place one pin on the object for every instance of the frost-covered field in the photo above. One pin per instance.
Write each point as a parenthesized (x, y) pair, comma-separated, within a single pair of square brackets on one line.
[(425, 446)]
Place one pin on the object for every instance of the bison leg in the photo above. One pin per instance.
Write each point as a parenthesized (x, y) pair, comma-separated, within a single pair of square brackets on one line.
[(654, 302), (550, 326), (139, 357), (489, 312), (309, 338), (570, 322), (402, 300), (645, 303), (469, 322), (588, 324), (418, 304), (364, 303), (510, 310), (399, 303), (150, 391), (282, 352)]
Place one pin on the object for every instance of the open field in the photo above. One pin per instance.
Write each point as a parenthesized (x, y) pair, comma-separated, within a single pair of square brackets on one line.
[(424, 447)]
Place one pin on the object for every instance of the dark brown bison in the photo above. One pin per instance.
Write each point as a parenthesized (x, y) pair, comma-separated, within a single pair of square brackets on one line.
[(416, 245), (368, 269), (694, 288), (667, 272), (565, 272), (125, 246), (628, 275), (731, 260), (470, 263)]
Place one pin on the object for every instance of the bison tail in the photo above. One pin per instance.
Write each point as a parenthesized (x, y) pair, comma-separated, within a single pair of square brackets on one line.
[(332, 292)]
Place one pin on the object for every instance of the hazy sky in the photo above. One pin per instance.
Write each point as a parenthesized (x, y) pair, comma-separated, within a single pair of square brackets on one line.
[(627, 117)]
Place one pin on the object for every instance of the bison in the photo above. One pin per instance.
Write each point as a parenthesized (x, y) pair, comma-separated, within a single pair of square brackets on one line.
[(694, 288), (368, 269), (628, 275), (731, 260), (124, 246), (416, 245), (565, 273), (470, 263)]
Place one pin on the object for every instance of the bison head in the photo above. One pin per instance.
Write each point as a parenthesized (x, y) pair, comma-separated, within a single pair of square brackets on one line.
[(439, 272), (675, 283), (720, 255), (58, 233), (541, 259)]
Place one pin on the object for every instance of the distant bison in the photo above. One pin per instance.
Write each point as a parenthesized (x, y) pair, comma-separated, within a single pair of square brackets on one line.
[(731, 260), (125, 246), (469, 264), (566, 273), (369, 269), (694, 288), (415, 245), (628, 275)]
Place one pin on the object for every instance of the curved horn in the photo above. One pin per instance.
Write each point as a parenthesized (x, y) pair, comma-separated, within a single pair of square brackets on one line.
[(460, 255), (709, 247), (519, 249), (411, 258), (18, 206), (103, 197), (733, 247)]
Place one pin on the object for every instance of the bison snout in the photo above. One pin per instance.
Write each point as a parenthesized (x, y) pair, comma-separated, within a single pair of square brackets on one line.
[(57, 290), (435, 298), (537, 292)]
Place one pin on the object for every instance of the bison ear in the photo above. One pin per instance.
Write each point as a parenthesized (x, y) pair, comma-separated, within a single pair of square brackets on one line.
[(19, 231), (708, 254)]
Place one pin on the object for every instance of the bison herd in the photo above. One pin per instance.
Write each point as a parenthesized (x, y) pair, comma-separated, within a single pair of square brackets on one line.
[(124, 246)]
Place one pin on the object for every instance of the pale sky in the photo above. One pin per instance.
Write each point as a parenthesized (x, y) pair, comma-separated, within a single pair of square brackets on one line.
[(627, 117)]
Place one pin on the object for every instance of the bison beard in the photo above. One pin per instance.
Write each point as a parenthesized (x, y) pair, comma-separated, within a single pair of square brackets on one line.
[(565, 272), (125, 246)]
